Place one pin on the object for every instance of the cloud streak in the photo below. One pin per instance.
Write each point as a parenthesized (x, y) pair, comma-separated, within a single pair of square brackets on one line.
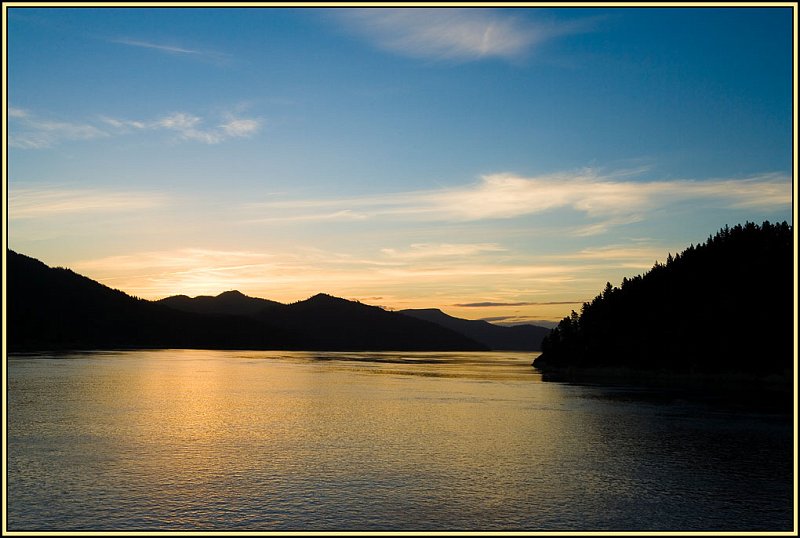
[(191, 127), (525, 303), (270, 275), (510, 321), (163, 48), (509, 195), (617, 253), (173, 50), (420, 251), (451, 34), (29, 131), (610, 199), (240, 127), (27, 203), (16, 112)]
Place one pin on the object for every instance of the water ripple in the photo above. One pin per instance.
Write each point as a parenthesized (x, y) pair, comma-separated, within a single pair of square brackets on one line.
[(202, 440)]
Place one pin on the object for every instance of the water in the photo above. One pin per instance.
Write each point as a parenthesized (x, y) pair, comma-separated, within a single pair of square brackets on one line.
[(270, 441)]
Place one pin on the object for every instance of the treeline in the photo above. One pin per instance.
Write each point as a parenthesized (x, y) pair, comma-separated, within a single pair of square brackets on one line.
[(724, 305)]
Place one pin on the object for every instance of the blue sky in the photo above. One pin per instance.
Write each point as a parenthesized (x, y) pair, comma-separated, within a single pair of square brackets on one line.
[(512, 158)]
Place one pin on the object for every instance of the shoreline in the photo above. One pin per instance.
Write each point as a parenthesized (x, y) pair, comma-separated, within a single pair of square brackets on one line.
[(773, 392)]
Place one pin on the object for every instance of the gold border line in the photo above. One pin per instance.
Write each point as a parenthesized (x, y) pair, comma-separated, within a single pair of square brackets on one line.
[(7, 5)]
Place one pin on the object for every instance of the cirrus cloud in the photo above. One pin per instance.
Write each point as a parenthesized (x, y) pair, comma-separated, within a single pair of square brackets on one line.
[(241, 127), (420, 251), (486, 304), (38, 202), (176, 50), (156, 46), (190, 127), (30, 131), (604, 200), (452, 33)]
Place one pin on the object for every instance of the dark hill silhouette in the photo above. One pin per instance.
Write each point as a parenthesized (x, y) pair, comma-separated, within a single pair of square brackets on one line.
[(331, 323), (496, 337), (339, 324), (723, 306), (56, 308), (230, 302)]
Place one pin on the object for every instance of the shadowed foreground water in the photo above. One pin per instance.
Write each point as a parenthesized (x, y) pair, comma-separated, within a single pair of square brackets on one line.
[(202, 440)]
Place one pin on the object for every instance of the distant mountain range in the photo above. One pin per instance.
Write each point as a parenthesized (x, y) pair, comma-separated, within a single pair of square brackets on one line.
[(336, 318), (56, 308), (497, 337)]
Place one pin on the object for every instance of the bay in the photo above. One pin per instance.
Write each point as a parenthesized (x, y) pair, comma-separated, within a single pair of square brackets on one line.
[(277, 441)]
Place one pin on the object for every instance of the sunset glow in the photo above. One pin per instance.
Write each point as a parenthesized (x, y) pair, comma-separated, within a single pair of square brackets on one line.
[(500, 164)]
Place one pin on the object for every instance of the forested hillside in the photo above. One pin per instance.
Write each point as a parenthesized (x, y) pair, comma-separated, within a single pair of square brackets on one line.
[(724, 305)]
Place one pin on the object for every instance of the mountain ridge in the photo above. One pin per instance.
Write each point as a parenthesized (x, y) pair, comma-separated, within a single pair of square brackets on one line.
[(56, 308), (231, 302), (525, 337)]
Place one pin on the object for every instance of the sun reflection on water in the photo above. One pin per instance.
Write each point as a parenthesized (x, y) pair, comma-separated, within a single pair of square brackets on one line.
[(267, 440)]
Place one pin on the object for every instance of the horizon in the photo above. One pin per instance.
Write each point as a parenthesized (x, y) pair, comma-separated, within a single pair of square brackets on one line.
[(496, 164), (542, 323)]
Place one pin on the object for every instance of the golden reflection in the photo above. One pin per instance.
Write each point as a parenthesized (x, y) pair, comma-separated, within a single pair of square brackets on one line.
[(291, 440)]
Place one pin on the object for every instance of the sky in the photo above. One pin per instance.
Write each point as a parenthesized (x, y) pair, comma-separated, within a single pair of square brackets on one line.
[(499, 164)]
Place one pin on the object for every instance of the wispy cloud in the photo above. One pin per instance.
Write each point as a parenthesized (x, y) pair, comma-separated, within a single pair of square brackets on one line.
[(607, 200), (524, 303), (26, 203), (292, 271), (520, 320), (188, 126), (451, 33), (28, 131), (123, 125), (163, 48), (190, 270), (621, 252), (596, 195), (342, 215), (175, 50), (420, 251), (240, 127), (208, 271), (192, 127), (16, 112)]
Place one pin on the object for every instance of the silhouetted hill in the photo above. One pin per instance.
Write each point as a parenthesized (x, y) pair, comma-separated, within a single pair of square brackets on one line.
[(230, 302), (338, 324), (496, 337), (723, 306), (55, 308)]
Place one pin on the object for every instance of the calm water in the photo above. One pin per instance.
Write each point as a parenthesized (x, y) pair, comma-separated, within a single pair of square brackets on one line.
[(202, 440)]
